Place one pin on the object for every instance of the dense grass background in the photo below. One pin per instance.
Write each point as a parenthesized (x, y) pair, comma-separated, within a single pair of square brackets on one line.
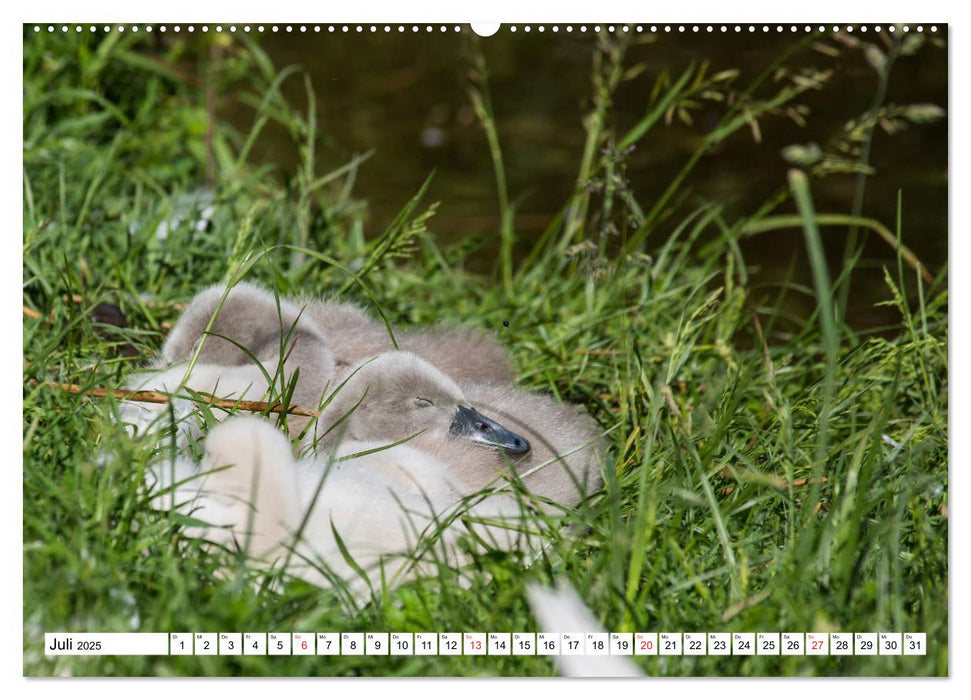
[(768, 472)]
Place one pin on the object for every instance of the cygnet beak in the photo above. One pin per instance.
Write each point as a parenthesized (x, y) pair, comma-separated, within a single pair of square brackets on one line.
[(471, 424)]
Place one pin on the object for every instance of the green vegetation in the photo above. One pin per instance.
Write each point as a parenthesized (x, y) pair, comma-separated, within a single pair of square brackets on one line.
[(767, 472)]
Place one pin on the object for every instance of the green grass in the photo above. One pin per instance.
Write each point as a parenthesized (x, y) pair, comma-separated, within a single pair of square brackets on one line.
[(767, 472)]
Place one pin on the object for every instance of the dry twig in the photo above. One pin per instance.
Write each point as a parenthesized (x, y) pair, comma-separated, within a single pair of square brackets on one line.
[(156, 397)]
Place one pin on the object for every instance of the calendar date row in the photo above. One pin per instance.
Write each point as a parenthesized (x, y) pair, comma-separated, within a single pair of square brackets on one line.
[(487, 644)]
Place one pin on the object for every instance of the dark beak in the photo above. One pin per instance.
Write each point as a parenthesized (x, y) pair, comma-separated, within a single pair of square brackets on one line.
[(471, 424)]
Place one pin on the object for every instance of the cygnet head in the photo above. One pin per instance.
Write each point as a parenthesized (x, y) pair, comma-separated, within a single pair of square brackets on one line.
[(402, 395), (250, 317), (567, 448)]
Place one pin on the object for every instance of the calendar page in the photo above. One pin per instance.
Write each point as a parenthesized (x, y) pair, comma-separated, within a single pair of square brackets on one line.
[(603, 348)]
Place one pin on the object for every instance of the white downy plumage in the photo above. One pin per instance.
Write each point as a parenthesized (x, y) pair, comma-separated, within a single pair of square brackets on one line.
[(256, 495)]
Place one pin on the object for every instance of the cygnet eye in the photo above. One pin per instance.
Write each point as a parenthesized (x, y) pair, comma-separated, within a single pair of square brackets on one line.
[(419, 402)]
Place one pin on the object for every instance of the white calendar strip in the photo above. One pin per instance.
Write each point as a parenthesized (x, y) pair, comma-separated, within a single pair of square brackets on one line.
[(486, 644)]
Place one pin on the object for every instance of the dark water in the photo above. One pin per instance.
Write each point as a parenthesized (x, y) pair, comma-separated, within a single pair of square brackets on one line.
[(405, 96)]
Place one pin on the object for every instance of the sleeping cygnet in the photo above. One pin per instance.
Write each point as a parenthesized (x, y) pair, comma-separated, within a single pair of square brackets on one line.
[(483, 432), (237, 337), (242, 322), (385, 499), (254, 318)]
